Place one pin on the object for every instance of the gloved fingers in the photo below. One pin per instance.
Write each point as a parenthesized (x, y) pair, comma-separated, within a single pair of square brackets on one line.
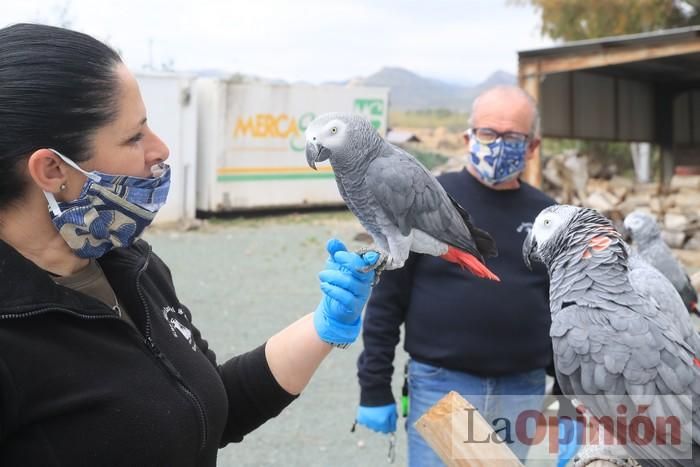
[(384, 427), (392, 422), (331, 265), (355, 264), (334, 245), (343, 297), (370, 257), (381, 419), (344, 281), (566, 431)]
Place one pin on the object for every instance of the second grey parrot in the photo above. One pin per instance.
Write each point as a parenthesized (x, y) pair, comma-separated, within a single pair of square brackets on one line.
[(397, 200), (620, 334), (648, 244)]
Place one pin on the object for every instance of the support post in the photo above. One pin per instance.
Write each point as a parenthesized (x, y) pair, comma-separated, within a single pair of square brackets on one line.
[(530, 82)]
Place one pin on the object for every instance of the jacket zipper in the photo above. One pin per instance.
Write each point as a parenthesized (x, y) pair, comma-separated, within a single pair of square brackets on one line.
[(55, 308), (166, 363)]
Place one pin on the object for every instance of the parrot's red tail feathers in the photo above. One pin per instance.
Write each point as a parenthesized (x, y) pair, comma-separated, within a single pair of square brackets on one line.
[(469, 262)]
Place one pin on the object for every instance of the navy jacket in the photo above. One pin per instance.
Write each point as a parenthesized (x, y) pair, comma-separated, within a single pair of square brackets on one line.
[(453, 319), (81, 387)]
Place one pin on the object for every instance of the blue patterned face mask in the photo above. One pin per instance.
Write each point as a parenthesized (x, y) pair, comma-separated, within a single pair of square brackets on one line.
[(111, 211), (497, 162)]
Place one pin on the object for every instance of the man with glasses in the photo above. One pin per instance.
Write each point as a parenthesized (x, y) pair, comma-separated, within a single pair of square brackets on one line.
[(486, 340)]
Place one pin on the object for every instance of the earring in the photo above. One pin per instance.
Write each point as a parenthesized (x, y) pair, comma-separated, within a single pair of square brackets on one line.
[(62, 187)]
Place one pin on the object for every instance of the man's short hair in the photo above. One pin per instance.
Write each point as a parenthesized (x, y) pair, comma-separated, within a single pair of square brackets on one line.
[(505, 89)]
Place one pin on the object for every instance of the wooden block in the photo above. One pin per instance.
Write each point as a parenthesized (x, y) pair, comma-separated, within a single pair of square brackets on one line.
[(445, 427)]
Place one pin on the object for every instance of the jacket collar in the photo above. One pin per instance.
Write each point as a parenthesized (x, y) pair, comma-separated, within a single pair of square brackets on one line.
[(26, 288)]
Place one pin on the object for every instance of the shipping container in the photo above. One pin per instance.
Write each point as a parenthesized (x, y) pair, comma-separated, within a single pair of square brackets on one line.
[(171, 106), (251, 143)]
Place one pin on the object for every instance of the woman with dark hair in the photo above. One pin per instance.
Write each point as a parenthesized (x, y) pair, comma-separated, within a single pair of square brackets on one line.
[(100, 363)]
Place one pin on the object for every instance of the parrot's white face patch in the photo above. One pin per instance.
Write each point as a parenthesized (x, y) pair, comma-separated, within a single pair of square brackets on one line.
[(548, 222), (331, 135)]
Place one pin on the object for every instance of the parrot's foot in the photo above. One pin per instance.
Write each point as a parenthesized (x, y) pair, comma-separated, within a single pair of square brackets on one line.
[(615, 455), (378, 266)]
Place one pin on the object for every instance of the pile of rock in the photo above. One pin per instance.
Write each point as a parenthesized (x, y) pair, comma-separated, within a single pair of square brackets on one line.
[(677, 208), (570, 179)]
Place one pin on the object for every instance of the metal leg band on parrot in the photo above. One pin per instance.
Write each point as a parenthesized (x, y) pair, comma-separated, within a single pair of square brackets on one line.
[(592, 455), (378, 266)]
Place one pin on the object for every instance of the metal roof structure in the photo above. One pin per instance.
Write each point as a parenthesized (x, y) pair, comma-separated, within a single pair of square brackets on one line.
[(638, 87)]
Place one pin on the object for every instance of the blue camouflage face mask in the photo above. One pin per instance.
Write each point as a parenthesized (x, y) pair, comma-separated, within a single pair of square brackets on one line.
[(111, 210), (498, 161)]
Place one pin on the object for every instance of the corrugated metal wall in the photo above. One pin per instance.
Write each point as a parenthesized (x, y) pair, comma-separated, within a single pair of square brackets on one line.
[(594, 106), (686, 118)]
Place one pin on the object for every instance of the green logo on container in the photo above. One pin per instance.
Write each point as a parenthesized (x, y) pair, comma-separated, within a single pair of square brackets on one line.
[(372, 109), (298, 142)]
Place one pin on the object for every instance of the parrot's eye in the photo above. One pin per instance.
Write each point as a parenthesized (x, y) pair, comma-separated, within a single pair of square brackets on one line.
[(334, 130), (547, 222)]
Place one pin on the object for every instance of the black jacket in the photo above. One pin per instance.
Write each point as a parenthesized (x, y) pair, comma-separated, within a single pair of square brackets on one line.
[(453, 319), (80, 386)]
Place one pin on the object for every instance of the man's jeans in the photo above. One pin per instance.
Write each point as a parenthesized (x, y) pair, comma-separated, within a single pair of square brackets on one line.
[(428, 384)]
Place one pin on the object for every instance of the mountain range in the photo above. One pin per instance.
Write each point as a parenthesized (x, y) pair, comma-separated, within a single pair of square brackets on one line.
[(410, 91)]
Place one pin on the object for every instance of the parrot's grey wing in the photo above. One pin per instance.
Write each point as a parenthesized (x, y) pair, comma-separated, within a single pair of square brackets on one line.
[(656, 288), (627, 361), (661, 257), (484, 242), (412, 198)]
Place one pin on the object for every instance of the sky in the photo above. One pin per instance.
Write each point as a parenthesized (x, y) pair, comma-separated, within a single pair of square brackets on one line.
[(459, 41)]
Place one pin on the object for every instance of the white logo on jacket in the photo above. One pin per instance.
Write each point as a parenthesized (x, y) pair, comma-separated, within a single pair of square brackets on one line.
[(171, 317), (524, 227)]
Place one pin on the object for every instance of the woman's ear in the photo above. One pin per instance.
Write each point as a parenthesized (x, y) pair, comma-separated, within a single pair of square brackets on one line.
[(47, 171)]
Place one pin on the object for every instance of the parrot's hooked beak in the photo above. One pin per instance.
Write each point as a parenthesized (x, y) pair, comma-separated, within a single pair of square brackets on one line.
[(530, 251), (316, 153)]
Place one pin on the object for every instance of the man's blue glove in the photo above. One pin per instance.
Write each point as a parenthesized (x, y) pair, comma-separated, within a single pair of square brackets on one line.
[(570, 439), (345, 290), (381, 419)]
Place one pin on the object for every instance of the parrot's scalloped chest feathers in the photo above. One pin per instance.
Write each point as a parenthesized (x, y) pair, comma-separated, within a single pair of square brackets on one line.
[(360, 201)]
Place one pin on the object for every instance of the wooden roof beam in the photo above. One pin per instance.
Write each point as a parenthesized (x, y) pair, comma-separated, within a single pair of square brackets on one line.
[(534, 66)]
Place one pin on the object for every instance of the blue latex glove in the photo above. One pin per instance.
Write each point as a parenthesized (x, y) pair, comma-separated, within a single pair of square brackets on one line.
[(345, 290), (570, 432), (381, 419)]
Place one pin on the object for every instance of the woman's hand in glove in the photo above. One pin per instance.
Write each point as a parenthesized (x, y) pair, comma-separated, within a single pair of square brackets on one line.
[(345, 291)]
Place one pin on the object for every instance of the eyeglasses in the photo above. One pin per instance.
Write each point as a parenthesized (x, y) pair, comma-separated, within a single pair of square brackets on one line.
[(488, 135)]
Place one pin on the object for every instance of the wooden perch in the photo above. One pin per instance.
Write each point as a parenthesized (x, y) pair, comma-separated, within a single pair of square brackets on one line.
[(446, 426)]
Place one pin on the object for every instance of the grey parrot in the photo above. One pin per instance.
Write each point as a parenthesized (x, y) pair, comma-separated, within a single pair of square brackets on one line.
[(396, 199), (620, 333), (648, 244)]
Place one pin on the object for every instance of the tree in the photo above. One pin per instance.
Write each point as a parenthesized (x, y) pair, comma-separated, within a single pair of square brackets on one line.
[(571, 20)]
